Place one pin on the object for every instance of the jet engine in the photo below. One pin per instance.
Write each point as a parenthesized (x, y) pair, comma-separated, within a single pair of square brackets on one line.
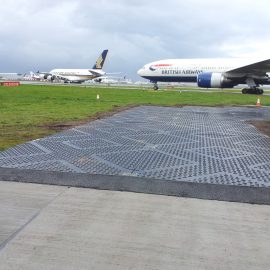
[(49, 77), (214, 80), (98, 80)]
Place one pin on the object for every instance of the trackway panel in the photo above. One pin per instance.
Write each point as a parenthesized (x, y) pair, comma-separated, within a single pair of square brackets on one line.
[(190, 144)]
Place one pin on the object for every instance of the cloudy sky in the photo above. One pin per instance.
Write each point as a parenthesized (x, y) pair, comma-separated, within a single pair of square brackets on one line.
[(42, 35)]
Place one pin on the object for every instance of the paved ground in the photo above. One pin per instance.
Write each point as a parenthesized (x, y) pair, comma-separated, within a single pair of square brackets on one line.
[(45, 227), (191, 144)]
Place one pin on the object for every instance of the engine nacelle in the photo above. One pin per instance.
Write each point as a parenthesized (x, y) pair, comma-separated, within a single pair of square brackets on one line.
[(98, 80), (49, 77), (213, 80)]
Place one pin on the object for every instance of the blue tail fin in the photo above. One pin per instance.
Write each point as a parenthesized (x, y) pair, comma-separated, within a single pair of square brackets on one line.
[(100, 61)]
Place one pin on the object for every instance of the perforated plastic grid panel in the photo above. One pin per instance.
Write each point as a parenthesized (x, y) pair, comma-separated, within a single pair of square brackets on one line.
[(195, 144)]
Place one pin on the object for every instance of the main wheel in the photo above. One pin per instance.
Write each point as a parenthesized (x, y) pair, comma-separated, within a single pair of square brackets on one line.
[(260, 91), (155, 87), (244, 91)]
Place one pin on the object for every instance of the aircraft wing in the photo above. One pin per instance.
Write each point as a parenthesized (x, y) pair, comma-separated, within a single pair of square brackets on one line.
[(258, 68)]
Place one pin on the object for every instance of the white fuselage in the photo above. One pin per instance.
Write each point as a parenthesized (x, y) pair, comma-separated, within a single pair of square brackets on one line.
[(187, 70), (78, 75)]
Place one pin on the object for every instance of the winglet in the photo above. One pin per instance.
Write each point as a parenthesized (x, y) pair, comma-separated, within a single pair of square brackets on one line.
[(100, 61)]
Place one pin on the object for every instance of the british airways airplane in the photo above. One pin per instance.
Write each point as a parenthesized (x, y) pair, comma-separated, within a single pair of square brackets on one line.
[(211, 73), (76, 75)]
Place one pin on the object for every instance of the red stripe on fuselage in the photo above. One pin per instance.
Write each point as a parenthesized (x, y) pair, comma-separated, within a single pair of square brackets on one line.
[(162, 65)]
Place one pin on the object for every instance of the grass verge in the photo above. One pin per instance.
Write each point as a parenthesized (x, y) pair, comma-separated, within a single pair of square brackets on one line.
[(32, 111)]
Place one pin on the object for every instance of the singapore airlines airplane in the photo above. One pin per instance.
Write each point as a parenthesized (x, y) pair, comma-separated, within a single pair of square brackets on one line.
[(76, 75), (211, 73)]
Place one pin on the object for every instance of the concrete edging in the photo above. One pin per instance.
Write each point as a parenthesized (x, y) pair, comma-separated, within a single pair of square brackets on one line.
[(230, 193)]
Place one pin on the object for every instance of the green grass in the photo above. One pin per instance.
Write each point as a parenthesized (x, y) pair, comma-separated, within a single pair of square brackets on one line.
[(27, 110)]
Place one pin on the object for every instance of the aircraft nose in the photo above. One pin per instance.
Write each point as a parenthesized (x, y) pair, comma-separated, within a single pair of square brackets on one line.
[(140, 72)]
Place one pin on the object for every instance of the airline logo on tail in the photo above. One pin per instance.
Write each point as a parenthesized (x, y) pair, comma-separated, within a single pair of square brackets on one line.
[(100, 61)]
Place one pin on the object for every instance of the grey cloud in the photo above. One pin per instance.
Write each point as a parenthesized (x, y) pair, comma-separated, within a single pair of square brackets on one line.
[(48, 34)]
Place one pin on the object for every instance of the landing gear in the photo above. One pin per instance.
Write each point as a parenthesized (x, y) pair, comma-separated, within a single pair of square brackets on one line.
[(252, 90), (155, 87)]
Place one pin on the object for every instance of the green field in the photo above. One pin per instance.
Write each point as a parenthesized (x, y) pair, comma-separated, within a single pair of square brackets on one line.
[(29, 111)]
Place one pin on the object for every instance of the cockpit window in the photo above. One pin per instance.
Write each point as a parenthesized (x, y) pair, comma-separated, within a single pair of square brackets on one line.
[(152, 68)]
